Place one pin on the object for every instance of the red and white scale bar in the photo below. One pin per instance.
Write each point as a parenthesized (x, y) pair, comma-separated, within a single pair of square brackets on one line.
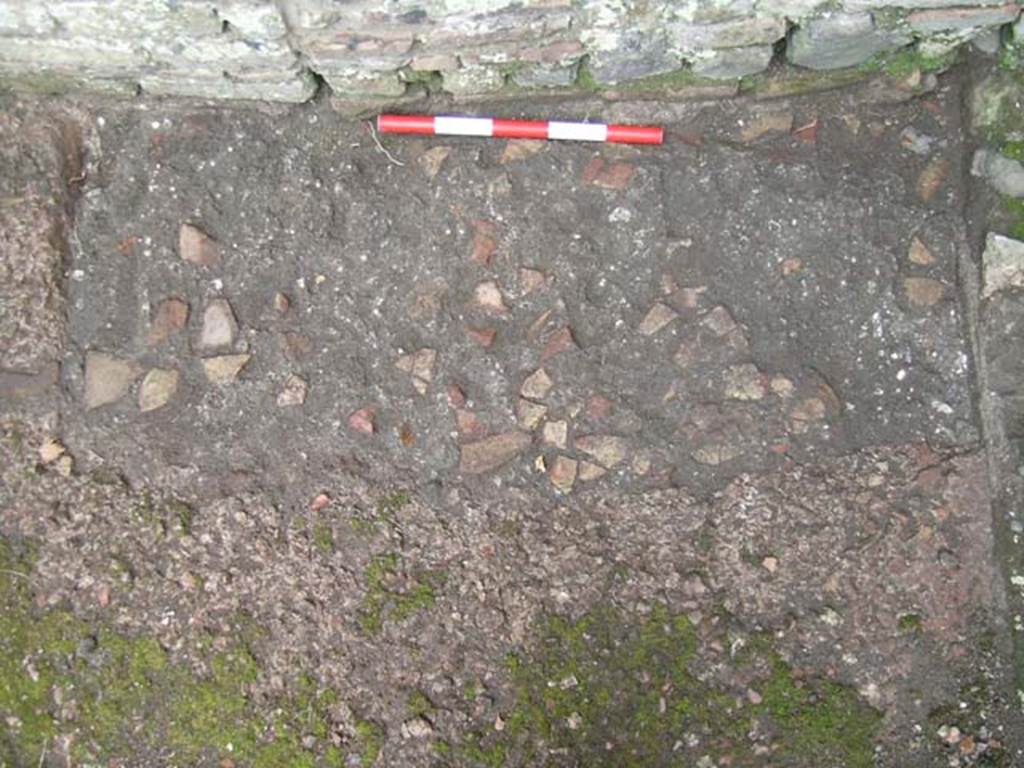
[(519, 129)]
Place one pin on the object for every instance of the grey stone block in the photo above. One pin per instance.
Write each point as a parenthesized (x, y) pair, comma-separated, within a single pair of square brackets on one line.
[(956, 19), (283, 86), (732, 63), (638, 54), (545, 76), (690, 38), (470, 80), (841, 40)]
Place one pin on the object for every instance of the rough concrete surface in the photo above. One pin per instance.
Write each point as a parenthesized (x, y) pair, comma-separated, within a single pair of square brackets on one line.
[(467, 452)]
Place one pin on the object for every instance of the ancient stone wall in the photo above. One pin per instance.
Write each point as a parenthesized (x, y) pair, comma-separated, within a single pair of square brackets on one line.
[(382, 48)]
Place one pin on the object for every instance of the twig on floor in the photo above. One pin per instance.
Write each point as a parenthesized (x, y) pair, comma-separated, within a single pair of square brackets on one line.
[(42, 756), (25, 576), (380, 147)]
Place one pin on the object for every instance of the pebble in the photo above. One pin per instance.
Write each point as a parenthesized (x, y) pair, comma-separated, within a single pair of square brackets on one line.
[(805, 413), (469, 425), (64, 465), (531, 280), (719, 321), (656, 318), (714, 454), (560, 341), (641, 465), (225, 368), (770, 564), (320, 501), (293, 392), (791, 266), (782, 387), (484, 242), (432, 160), (295, 346), (487, 296), (537, 385), (607, 450), (932, 178), (744, 382), (420, 366), (282, 303), (107, 378), (562, 473), (519, 149), (600, 173), (556, 433), (754, 697), (158, 387), (219, 325), (456, 397), (590, 471), (363, 420), (51, 450), (493, 452), (417, 728), (482, 336), (528, 414), (919, 253), (169, 319), (1002, 264), (762, 125), (197, 247), (914, 141), (923, 291)]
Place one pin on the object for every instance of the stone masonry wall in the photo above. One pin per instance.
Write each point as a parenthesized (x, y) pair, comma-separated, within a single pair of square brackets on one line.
[(257, 49)]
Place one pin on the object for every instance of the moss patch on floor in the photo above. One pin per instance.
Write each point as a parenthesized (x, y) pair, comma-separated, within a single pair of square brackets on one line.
[(615, 690), (390, 597), (124, 698)]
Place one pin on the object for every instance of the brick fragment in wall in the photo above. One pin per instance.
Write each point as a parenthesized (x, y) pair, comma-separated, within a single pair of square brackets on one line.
[(841, 40), (854, 6)]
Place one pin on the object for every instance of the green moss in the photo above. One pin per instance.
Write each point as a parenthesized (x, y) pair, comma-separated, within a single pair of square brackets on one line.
[(906, 61), (323, 536), (1015, 212), (420, 705), (585, 80), (182, 514), (371, 741), (384, 515), (131, 699), (390, 505), (822, 719), (793, 81), (1014, 150), (675, 80), (430, 81), (385, 601), (630, 681), (909, 622)]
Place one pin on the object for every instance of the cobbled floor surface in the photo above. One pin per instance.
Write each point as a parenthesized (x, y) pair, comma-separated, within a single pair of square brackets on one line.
[(495, 453)]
